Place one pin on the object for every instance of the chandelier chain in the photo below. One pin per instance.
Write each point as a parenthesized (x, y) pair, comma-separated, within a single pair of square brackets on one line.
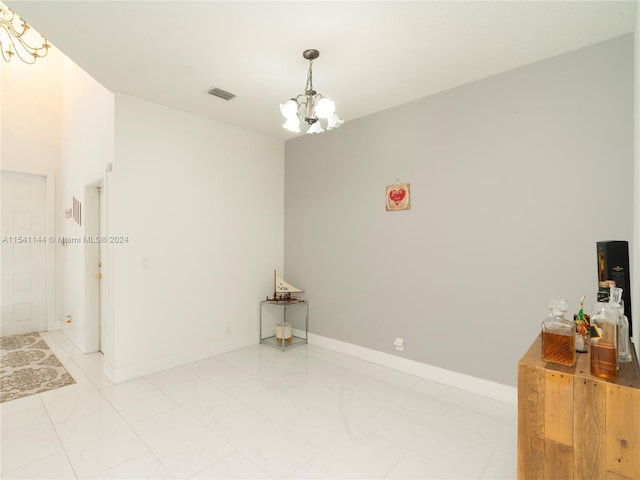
[(309, 87)]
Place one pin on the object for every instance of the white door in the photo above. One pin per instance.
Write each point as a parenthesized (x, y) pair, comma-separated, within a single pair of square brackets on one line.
[(23, 258)]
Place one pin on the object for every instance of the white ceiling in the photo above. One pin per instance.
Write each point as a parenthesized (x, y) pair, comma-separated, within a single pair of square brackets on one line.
[(373, 55)]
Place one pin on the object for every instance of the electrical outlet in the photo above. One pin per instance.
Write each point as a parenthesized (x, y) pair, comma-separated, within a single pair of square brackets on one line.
[(228, 331), (399, 343)]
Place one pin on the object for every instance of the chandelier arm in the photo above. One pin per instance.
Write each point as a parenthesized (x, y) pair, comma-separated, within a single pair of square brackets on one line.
[(17, 44), (11, 29), (7, 22), (22, 51), (30, 57), (24, 27), (6, 55)]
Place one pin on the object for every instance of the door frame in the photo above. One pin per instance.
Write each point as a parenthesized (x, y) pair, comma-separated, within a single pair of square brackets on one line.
[(50, 255), (95, 303)]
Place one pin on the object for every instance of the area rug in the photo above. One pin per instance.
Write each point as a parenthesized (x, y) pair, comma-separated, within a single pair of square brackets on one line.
[(28, 366)]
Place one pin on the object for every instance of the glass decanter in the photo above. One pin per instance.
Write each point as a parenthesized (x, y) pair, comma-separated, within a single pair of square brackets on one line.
[(558, 335), (604, 340)]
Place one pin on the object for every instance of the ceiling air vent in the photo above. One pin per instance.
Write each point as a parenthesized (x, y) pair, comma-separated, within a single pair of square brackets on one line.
[(216, 92)]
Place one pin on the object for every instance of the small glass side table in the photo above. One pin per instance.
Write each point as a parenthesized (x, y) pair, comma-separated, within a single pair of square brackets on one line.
[(287, 310)]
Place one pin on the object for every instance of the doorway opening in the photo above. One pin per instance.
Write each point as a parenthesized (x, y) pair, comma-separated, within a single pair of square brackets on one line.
[(95, 266)]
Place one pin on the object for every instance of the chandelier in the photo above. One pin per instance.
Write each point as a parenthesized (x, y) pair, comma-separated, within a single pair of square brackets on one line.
[(310, 106), (17, 38)]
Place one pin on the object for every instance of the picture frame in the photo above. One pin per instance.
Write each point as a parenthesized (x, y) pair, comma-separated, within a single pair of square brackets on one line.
[(398, 196)]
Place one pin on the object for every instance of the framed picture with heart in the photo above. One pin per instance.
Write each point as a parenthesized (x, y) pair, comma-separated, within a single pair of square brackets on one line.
[(398, 196)]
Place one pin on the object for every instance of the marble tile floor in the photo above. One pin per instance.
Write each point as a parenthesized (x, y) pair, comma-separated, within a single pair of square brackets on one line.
[(307, 413)]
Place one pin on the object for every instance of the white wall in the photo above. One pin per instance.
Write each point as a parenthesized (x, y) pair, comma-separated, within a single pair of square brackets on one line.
[(58, 121), (30, 139), (30, 113), (202, 204), (513, 180), (86, 148), (201, 200)]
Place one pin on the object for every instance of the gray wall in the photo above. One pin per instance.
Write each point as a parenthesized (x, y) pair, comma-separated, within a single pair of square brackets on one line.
[(513, 180)]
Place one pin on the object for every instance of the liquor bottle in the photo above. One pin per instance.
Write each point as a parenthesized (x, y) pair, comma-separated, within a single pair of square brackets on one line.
[(558, 335), (604, 340), (603, 291), (624, 346)]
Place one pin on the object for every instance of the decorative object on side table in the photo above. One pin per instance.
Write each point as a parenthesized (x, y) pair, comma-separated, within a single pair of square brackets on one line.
[(282, 291), (558, 335), (292, 327), (283, 333), (581, 320)]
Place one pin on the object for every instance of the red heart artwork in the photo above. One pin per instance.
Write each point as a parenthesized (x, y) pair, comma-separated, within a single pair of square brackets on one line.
[(396, 196)]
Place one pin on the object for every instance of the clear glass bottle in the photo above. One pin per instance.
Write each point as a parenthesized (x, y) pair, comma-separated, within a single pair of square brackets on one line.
[(558, 335), (624, 349), (604, 340), (624, 346), (580, 342)]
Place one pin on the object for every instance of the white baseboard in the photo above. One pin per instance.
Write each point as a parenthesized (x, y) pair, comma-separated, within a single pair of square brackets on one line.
[(461, 381), (486, 388), (122, 374)]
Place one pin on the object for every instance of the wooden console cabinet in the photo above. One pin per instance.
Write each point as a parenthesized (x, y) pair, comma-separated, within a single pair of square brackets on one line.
[(572, 425)]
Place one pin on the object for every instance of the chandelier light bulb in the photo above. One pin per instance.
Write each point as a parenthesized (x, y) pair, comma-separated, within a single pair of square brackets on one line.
[(310, 107), (325, 108), (315, 128), (289, 109), (334, 122), (292, 124)]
